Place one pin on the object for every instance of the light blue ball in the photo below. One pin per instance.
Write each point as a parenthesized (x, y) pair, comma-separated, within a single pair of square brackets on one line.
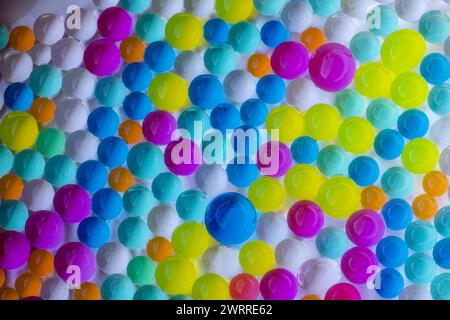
[(382, 20), (220, 59), (333, 160), (6, 160), (167, 187), (216, 31), (149, 292), (254, 112), (145, 160), (269, 7), (397, 214), (392, 252), (60, 170), (435, 68), (271, 89), (4, 36), (382, 113), (420, 268), (441, 253), (391, 283), (117, 287), (133, 233), (325, 8), (439, 99), (244, 37), (191, 205), (435, 26), (305, 150), (242, 171), (29, 164), (364, 171), (440, 287), (332, 242), (365, 46), (93, 231), (192, 117), (45, 81), (92, 175), (138, 201), (107, 204), (225, 117), (420, 236), (110, 91), (135, 6), (397, 182), (350, 103), (150, 27), (13, 215), (442, 221)]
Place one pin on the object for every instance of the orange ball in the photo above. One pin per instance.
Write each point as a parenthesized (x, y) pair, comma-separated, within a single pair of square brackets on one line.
[(2, 278), (311, 297), (21, 38), (120, 179), (313, 38), (11, 187), (132, 49), (373, 198), (87, 291), (40, 262), (130, 131), (8, 294), (435, 183), (28, 285), (425, 207), (159, 248), (259, 65), (43, 110)]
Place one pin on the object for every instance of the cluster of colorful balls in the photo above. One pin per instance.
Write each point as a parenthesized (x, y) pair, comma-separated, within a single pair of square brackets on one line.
[(98, 202)]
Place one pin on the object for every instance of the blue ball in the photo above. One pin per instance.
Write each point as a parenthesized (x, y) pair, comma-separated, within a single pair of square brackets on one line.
[(206, 91), (192, 117), (110, 91), (305, 150), (435, 26), (93, 231), (392, 252), (270, 89), (241, 172), (160, 56), (397, 182), (137, 105), (441, 253), (413, 124), (254, 112), (269, 8), (273, 33), (167, 187), (382, 20), (103, 122), (364, 171), (137, 76), (92, 175), (389, 144), (60, 170), (365, 46), (107, 204), (13, 215), (145, 160), (225, 116), (112, 152), (18, 96), (230, 218), (420, 268), (439, 99), (442, 221), (332, 242), (435, 68), (220, 59), (117, 287), (391, 283), (216, 31), (133, 233), (420, 236), (382, 113), (244, 37), (191, 205), (397, 214)]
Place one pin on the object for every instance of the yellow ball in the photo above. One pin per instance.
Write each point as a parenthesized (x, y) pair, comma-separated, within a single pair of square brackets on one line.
[(303, 182), (168, 91), (287, 120), (409, 90), (322, 122), (190, 239), (184, 31), (257, 257), (210, 287), (18, 130), (420, 156), (356, 135), (339, 197), (373, 80), (402, 50), (176, 275), (234, 10), (267, 194)]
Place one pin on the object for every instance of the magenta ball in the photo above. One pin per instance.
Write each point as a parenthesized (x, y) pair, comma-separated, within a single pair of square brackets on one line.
[(102, 57), (115, 24), (342, 291), (290, 60), (158, 127), (14, 250), (358, 264), (305, 219), (72, 203), (365, 228), (75, 257), (274, 159), (278, 284), (182, 157), (45, 230), (332, 67)]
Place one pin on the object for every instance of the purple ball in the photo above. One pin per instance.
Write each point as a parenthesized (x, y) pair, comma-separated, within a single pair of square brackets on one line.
[(72, 203), (305, 219), (274, 159), (332, 67), (358, 264), (158, 127), (73, 257), (14, 250), (115, 24), (45, 229), (102, 57), (365, 228), (180, 163), (278, 284), (290, 60)]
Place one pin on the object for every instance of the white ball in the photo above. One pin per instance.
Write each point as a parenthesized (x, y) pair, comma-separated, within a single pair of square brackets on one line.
[(48, 29), (221, 260), (439, 132), (447, 47), (67, 54), (415, 292), (71, 115), (297, 15), (103, 4), (200, 8), (167, 8), (239, 86), (272, 228), (410, 10), (54, 289), (302, 93), (444, 161), (87, 28), (41, 54), (79, 83), (211, 178), (339, 28), (189, 64), (16, 67), (355, 8), (38, 195), (163, 220), (384, 1), (291, 253), (81, 146), (113, 257), (316, 276)]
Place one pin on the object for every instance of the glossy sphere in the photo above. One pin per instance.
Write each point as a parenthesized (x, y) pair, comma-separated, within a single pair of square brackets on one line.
[(313, 38), (279, 284), (435, 183), (21, 38), (373, 198)]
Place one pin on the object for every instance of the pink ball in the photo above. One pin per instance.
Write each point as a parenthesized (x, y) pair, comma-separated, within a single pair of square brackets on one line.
[(342, 291), (358, 264), (244, 286), (14, 250), (102, 57), (182, 157), (274, 159), (75, 257), (290, 60), (305, 219), (365, 228), (72, 203), (332, 67), (158, 127), (279, 284), (45, 229), (115, 23)]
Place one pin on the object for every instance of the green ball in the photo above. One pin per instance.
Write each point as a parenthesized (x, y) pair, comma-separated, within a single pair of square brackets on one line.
[(350, 103), (138, 201), (13, 215), (60, 170), (149, 292), (51, 142), (150, 27), (4, 36), (46, 81), (141, 270), (110, 91), (6, 160), (29, 164)]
